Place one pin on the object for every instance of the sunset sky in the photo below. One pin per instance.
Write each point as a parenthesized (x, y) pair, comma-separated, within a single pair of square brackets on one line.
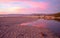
[(29, 6)]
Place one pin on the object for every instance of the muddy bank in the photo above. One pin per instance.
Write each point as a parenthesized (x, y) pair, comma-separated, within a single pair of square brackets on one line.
[(18, 31)]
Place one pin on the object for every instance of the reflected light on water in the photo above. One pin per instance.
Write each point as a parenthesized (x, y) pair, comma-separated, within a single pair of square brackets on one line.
[(43, 25)]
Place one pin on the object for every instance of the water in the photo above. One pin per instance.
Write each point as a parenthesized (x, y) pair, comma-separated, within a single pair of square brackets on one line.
[(53, 25)]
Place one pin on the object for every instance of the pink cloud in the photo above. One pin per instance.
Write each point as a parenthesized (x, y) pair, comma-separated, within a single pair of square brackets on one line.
[(41, 5), (13, 0), (33, 6)]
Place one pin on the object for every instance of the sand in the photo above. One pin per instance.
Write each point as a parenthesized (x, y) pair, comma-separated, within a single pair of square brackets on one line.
[(18, 31)]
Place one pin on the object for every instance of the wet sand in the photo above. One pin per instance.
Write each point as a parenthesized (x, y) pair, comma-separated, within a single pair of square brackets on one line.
[(10, 28), (18, 31)]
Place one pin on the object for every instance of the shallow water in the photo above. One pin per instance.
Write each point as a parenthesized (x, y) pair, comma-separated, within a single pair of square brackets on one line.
[(53, 25)]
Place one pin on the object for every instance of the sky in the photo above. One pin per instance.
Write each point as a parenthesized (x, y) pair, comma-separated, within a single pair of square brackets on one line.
[(29, 6)]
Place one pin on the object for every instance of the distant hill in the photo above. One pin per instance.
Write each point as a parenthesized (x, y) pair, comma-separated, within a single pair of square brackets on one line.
[(14, 15), (18, 15), (57, 14)]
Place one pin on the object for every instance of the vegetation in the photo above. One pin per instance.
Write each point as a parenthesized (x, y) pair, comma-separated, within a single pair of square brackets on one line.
[(57, 14)]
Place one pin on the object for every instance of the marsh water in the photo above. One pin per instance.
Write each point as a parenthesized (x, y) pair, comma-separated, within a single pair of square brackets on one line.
[(53, 25)]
